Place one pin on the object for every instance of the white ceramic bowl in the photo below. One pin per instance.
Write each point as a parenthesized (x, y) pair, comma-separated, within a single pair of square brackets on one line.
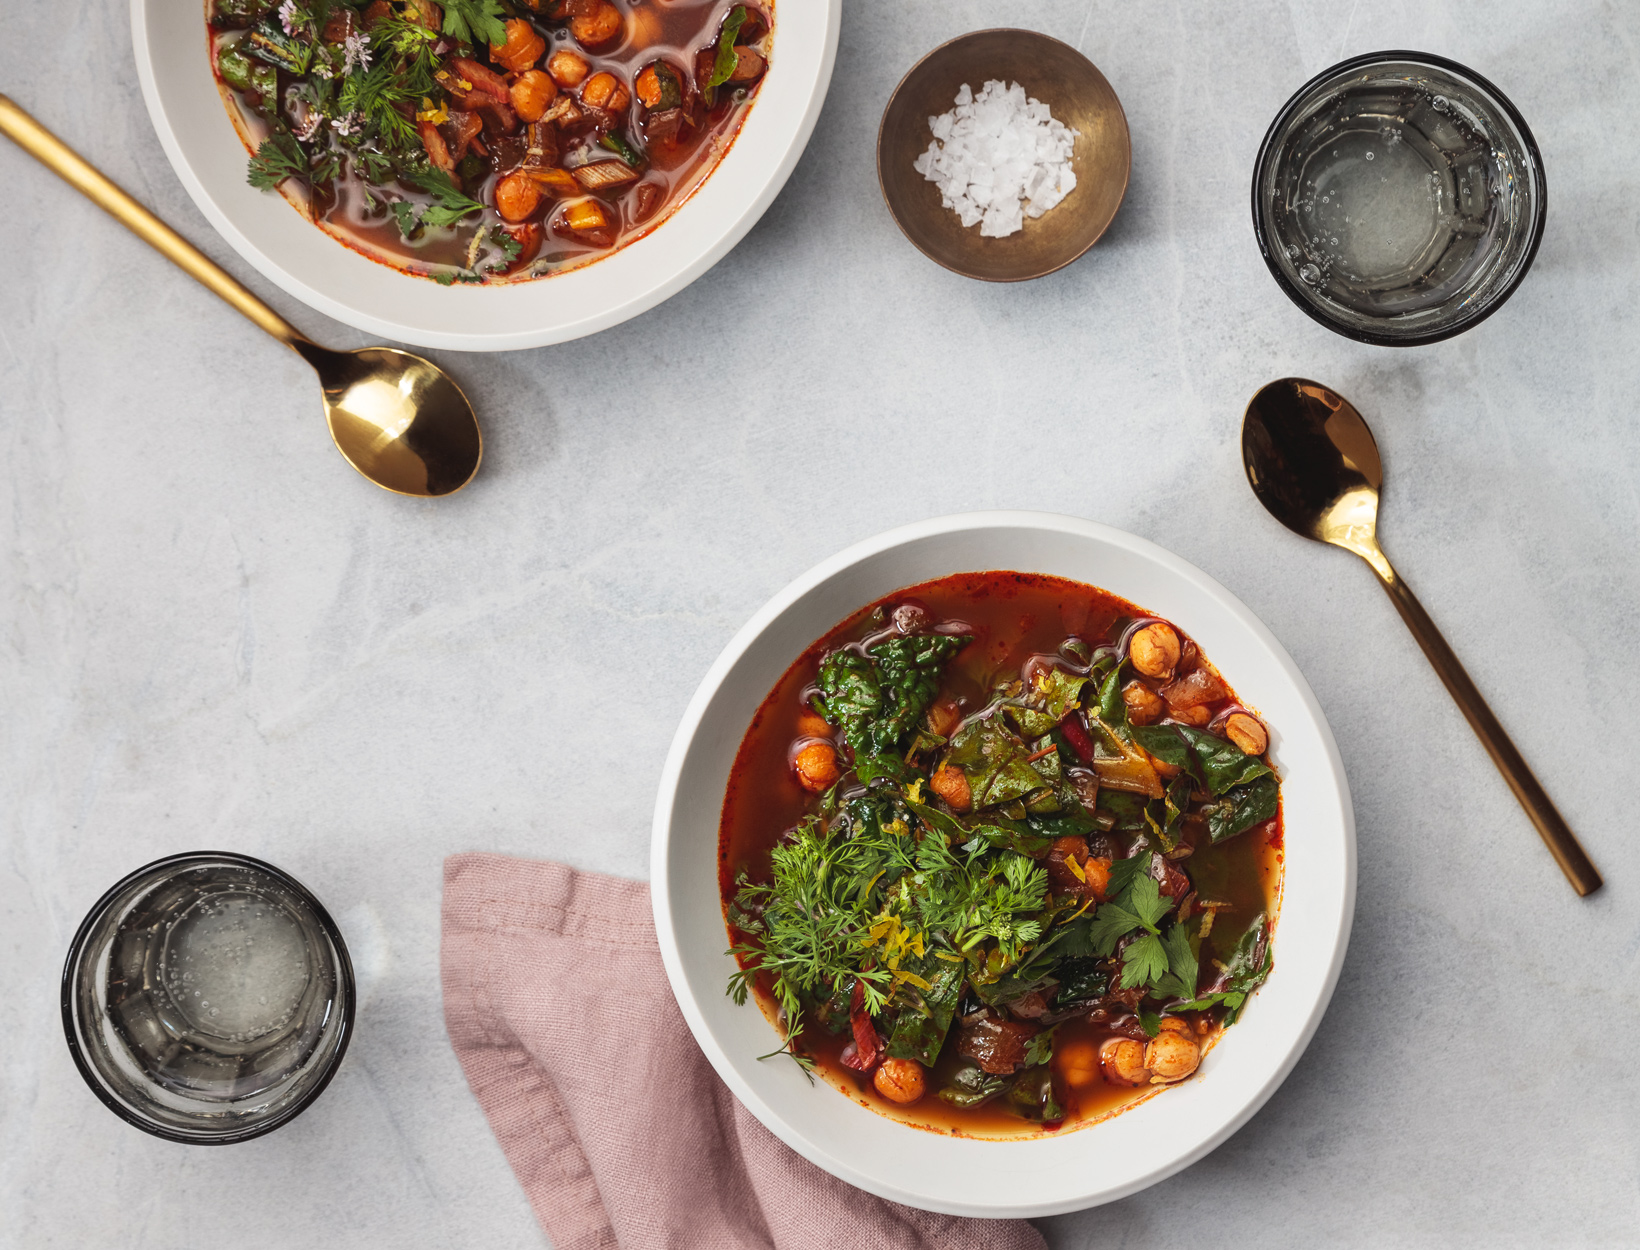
[(1103, 1161), (173, 62)]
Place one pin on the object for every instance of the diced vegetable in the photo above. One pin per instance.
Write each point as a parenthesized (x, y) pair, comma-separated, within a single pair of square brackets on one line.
[(586, 216)]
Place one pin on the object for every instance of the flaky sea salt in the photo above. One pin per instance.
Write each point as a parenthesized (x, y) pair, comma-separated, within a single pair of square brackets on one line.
[(999, 157)]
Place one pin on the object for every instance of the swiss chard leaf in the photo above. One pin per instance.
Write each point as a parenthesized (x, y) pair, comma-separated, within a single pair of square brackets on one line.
[(1239, 809), (925, 1016), (1217, 763), (724, 65), (971, 1085), (1007, 835), (1128, 810), (1081, 979), (1112, 708), (1249, 964), (869, 768), (993, 760)]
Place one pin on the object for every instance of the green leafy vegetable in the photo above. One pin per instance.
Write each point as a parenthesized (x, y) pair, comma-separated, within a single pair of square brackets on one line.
[(925, 1015), (1248, 966), (268, 41), (995, 763), (279, 157), (617, 143), (449, 205), (878, 698), (971, 1085), (475, 21), (1242, 808), (1217, 763), (724, 66)]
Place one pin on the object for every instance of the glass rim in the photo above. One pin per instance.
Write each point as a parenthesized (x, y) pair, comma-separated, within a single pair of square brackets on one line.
[(1534, 164), (89, 1072)]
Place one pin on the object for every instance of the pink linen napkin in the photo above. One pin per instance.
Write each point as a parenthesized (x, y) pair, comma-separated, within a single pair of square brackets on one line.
[(614, 1122)]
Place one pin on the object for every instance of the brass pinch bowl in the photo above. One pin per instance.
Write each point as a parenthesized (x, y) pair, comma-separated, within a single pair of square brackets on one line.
[(1314, 465), (1077, 94), (396, 418)]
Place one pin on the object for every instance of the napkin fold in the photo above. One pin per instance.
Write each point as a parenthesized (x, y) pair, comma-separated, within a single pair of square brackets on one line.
[(614, 1122)]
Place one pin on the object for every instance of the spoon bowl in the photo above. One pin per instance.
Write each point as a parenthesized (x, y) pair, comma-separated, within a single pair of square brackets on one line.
[(398, 419), (1314, 465)]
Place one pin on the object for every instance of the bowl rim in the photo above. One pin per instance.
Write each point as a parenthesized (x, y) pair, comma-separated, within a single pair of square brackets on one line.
[(1331, 778), (346, 992), (1121, 113), (553, 314), (1471, 318)]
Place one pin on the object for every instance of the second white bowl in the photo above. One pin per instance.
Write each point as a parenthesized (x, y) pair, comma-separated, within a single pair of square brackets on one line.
[(1074, 1169)]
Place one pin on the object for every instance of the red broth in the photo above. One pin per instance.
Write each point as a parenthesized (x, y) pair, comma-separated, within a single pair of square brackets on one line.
[(1012, 617), (357, 212)]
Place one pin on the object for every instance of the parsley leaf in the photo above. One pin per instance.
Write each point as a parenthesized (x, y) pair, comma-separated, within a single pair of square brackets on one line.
[(279, 157), (450, 204), (1182, 964), (473, 20), (1110, 924), (1145, 900), (1143, 961)]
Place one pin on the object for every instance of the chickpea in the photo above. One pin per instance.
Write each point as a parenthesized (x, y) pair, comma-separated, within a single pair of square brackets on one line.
[(605, 91), (816, 766), (944, 717), (1246, 732), (1173, 1024), (522, 49), (601, 26), (516, 197), (568, 69), (649, 87), (1172, 1055), (810, 724), (531, 94), (900, 1080), (1078, 1063), (1144, 705), (1197, 716), (1154, 650), (951, 784), (1122, 1060)]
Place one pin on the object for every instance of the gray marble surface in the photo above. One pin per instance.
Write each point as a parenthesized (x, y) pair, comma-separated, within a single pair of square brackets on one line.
[(215, 634)]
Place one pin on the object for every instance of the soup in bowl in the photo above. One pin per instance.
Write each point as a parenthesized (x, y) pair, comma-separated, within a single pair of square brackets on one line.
[(1038, 612)]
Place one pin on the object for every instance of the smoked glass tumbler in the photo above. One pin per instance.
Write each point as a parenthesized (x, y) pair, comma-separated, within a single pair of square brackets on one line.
[(208, 998), (1398, 198)]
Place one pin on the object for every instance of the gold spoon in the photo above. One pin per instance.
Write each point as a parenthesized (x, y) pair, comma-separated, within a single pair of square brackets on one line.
[(398, 419), (1313, 464)]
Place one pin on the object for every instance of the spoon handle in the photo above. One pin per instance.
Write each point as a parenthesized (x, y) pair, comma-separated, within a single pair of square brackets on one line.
[(73, 169), (1551, 826)]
